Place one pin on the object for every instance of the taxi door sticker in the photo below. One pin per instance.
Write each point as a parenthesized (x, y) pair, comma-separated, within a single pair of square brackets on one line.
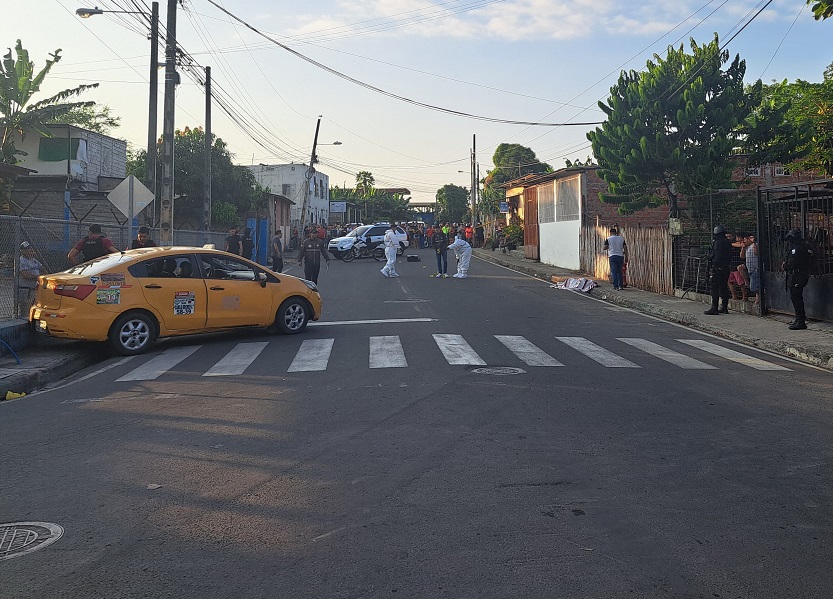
[(184, 303), (108, 296)]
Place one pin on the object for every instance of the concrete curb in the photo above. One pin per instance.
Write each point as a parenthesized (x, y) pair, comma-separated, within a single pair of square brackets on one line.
[(790, 349), (65, 364)]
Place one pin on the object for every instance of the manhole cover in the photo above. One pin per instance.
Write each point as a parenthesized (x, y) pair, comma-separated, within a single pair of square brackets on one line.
[(19, 538), (499, 370)]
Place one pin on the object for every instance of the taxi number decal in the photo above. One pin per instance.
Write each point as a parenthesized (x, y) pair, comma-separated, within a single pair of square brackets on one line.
[(108, 296), (184, 303)]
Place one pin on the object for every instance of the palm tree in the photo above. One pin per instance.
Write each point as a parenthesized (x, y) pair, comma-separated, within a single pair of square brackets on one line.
[(364, 182), (18, 83)]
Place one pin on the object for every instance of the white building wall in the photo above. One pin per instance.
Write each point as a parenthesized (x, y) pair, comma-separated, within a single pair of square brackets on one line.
[(289, 180), (560, 240), (103, 156)]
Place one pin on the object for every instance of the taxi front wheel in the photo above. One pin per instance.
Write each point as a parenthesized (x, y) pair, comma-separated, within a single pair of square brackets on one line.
[(133, 333), (292, 316)]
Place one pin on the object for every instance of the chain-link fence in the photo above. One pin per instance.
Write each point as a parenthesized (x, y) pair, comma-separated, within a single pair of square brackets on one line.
[(736, 210), (49, 241)]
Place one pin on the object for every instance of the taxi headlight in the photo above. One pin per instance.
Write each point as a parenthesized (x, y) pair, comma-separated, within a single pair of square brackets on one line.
[(310, 284)]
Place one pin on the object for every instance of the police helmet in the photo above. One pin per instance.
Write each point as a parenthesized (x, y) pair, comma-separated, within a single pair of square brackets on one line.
[(720, 230), (794, 234)]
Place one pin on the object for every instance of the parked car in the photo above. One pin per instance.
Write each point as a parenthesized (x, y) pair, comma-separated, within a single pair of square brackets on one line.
[(372, 235), (132, 298)]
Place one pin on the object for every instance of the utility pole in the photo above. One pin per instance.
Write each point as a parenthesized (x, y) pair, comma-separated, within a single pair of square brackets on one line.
[(206, 199), (153, 100), (310, 172), (473, 177), (166, 214)]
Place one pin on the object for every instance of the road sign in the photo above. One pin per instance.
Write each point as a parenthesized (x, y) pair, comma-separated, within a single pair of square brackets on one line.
[(338, 207), (120, 196)]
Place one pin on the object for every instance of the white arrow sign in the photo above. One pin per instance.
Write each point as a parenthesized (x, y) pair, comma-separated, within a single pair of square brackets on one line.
[(120, 196)]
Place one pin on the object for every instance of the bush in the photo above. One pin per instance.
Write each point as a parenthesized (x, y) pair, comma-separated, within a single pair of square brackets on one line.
[(514, 233)]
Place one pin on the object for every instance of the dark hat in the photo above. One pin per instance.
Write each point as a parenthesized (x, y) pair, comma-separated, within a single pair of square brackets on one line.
[(794, 234), (720, 230), (95, 228)]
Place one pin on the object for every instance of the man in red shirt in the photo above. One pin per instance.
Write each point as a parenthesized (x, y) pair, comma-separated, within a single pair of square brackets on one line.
[(92, 246)]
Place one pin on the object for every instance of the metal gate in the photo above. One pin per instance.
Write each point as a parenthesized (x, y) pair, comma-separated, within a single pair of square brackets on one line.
[(809, 208), (531, 248)]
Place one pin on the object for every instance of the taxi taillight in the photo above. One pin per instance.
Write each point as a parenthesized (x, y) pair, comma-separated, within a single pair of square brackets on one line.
[(77, 291)]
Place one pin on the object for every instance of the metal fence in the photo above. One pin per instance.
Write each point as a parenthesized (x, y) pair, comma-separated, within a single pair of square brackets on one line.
[(51, 241), (736, 210)]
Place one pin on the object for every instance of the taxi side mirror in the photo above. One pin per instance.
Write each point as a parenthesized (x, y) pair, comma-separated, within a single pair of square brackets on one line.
[(261, 276)]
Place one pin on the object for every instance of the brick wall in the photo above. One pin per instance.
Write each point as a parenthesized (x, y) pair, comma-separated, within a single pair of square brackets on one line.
[(606, 214)]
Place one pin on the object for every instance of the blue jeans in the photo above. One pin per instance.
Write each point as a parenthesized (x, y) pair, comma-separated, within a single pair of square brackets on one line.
[(442, 262), (616, 263)]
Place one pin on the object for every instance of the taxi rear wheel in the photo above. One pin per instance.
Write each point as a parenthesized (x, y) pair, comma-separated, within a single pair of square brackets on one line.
[(133, 333), (292, 316)]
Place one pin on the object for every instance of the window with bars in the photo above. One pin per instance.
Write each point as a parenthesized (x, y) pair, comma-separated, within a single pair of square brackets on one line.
[(546, 203), (568, 200)]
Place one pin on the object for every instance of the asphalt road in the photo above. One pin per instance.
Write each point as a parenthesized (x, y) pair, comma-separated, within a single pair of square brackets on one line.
[(623, 459)]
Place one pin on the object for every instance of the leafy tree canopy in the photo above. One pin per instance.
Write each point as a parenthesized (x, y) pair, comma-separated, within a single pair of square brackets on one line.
[(512, 161), (230, 183), (822, 9), (452, 203), (95, 118), (671, 127), (18, 114)]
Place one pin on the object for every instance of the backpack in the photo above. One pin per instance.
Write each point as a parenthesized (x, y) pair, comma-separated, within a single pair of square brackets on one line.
[(93, 248)]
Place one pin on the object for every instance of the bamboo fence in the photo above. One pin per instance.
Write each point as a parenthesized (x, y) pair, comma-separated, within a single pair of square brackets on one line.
[(650, 256)]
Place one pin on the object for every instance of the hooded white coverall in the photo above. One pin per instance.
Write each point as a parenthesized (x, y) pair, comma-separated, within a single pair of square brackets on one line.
[(390, 243), (462, 248)]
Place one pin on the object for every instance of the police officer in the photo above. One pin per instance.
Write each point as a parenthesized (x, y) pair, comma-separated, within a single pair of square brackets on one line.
[(92, 246), (719, 260), (312, 248), (798, 264)]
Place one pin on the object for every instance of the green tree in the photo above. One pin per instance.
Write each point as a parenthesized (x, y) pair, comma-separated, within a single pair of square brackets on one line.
[(364, 183), (452, 203), (810, 111), (671, 127), (230, 183), (94, 118), (18, 114), (511, 161), (822, 9), (770, 133)]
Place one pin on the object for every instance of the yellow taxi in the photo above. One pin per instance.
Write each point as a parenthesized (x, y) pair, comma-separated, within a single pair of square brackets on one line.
[(135, 297)]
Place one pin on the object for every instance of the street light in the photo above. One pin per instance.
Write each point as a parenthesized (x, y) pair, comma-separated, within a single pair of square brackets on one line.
[(86, 13)]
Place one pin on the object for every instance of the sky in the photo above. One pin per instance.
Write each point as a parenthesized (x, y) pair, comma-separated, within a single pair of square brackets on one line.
[(371, 68)]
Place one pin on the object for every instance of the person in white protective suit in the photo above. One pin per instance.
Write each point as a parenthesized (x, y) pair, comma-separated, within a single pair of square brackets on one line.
[(462, 248), (390, 243)]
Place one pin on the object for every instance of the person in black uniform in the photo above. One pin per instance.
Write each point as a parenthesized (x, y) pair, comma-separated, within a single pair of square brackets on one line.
[(798, 264), (719, 261), (312, 249)]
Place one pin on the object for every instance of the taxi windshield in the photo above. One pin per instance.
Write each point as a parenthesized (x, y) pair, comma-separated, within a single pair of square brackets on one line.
[(97, 265)]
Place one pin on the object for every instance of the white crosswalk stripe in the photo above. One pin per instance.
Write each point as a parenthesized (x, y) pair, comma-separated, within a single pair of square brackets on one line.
[(663, 353), (387, 352), (527, 351), (597, 353), (730, 354), (313, 355), (155, 367), (237, 360), (457, 351)]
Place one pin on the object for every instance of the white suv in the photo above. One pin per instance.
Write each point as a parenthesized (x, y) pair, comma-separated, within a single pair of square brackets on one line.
[(372, 235)]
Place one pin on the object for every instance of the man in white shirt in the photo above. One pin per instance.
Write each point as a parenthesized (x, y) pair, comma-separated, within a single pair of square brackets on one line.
[(29, 271), (617, 256), (390, 242)]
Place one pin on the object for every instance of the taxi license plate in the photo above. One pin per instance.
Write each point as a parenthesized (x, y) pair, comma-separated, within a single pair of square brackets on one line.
[(40, 326)]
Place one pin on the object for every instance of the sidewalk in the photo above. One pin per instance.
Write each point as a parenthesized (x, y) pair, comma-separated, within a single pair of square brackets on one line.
[(814, 345), (43, 361)]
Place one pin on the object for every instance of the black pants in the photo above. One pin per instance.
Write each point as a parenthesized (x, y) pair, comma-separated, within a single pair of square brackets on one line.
[(277, 263), (311, 270), (796, 283), (720, 286)]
